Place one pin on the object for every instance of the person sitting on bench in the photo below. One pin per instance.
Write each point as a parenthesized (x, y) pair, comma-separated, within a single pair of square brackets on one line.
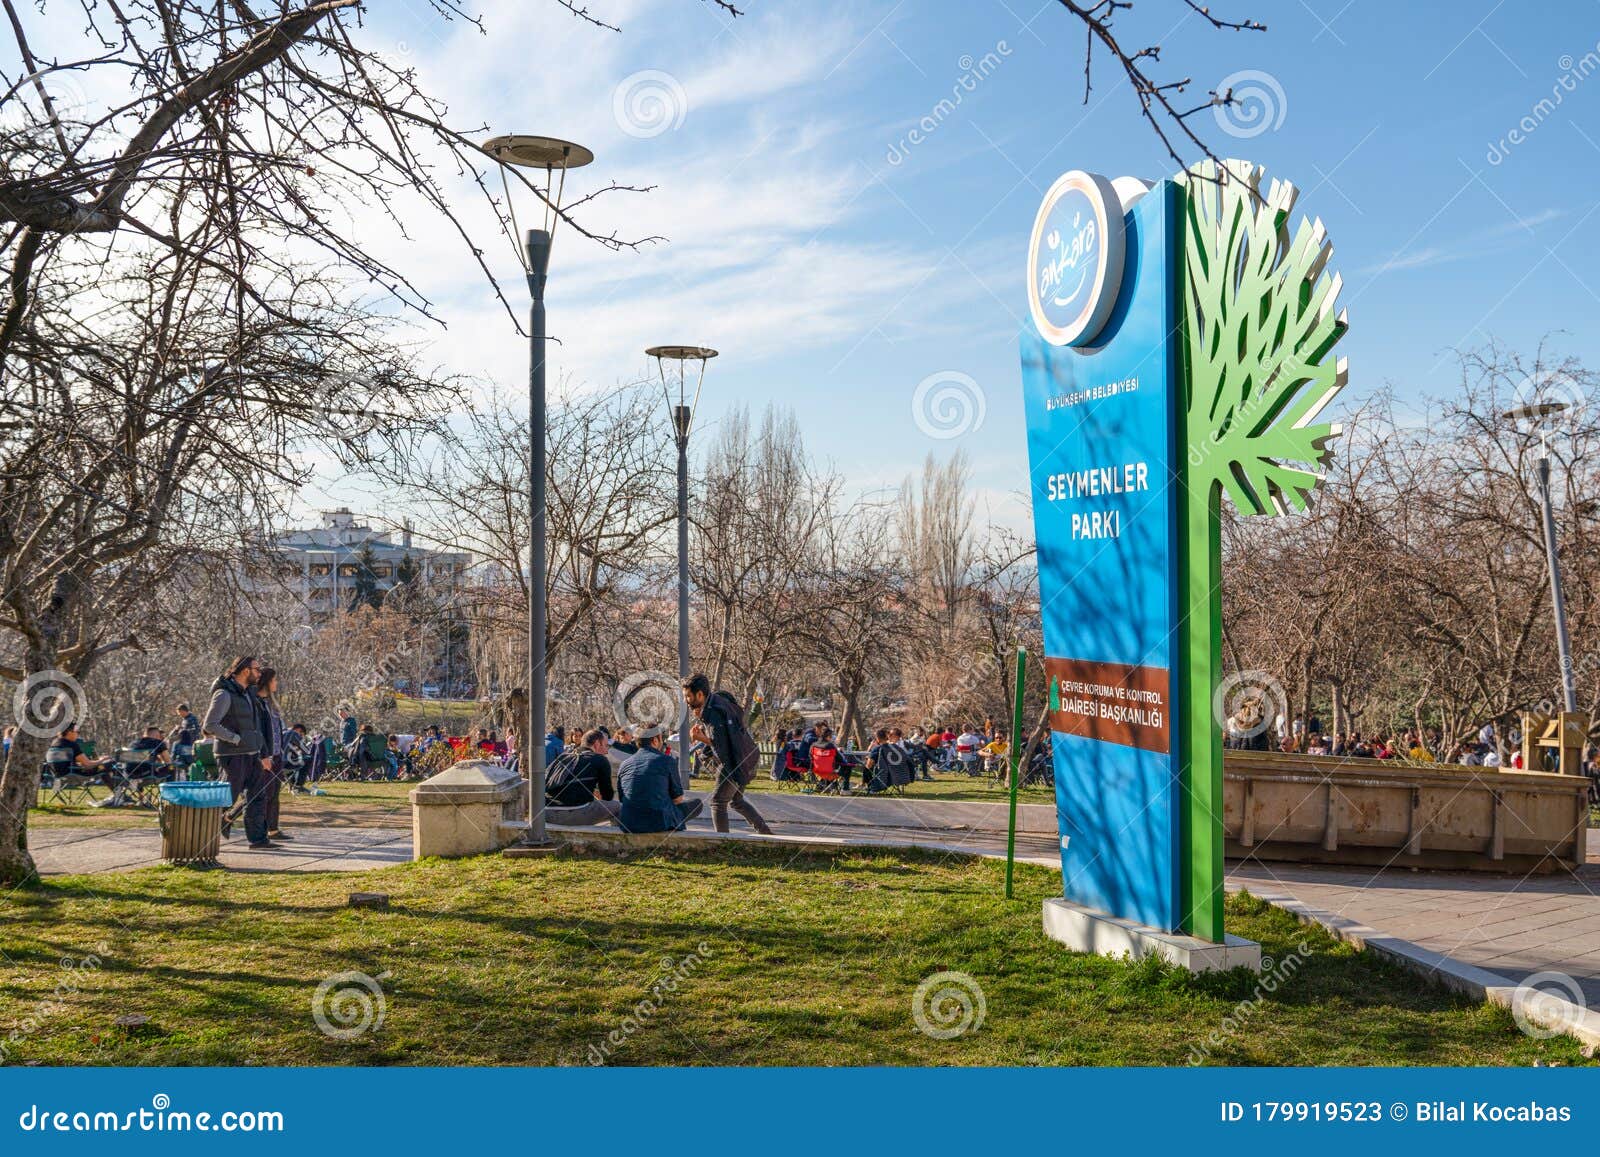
[(651, 795), (578, 789)]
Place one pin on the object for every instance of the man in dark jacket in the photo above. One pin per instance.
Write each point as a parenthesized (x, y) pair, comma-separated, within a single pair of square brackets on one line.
[(234, 721), (348, 726), (652, 798), (720, 724), (581, 776), (185, 736)]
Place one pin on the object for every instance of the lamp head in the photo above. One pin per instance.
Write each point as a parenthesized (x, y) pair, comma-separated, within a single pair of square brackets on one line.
[(1535, 412), (681, 410), (531, 152), (552, 154)]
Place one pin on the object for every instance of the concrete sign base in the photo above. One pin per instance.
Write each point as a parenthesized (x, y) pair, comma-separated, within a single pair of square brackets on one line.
[(1086, 930)]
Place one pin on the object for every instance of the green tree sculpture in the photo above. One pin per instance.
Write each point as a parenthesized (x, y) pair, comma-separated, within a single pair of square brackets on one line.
[(1259, 323)]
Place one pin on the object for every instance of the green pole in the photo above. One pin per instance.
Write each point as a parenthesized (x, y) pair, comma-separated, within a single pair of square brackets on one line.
[(1014, 754), (1200, 576)]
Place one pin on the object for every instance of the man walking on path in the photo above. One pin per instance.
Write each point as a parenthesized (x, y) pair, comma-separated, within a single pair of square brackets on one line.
[(234, 721), (721, 726)]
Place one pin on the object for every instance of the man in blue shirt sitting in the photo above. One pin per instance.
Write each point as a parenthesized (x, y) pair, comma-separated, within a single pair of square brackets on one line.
[(650, 792)]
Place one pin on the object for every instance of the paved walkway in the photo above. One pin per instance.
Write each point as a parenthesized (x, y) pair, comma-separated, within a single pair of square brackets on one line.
[(61, 850), (1513, 927)]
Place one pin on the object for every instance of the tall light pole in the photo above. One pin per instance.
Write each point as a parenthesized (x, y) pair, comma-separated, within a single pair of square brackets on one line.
[(681, 411), (1539, 414), (553, 156)]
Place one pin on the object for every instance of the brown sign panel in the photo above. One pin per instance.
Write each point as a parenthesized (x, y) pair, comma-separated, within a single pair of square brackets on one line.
[(1112, 702)]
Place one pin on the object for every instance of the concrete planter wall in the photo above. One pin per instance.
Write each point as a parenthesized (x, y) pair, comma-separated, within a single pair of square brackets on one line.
[(1336, 811)]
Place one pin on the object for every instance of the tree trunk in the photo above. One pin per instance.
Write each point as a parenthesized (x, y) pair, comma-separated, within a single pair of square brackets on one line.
[(19, 788), (1034, 739), (1305, 703), (19, 783), (851, 717)]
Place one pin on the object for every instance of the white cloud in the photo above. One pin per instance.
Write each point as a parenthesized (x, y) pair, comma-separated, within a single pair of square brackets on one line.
[(1493, 239)]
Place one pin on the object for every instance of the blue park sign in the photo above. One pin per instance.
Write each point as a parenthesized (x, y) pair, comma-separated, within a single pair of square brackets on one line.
[(1099, 382)]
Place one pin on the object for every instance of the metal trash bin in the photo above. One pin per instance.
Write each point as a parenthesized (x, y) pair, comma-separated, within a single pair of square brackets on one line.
[(191, 822)]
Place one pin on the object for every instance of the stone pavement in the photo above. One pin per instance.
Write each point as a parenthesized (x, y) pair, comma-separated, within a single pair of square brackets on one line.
[(1512, 926), (71, 850), (1508, 926)]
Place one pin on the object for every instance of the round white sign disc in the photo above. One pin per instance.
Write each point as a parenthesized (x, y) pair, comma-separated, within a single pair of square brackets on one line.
[(1075, 258)]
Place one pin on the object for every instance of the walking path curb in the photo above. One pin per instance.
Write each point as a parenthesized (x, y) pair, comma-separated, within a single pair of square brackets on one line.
[(1536, 1006)]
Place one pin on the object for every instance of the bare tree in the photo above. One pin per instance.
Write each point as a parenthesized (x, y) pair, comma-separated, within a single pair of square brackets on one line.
[(607, 503), (759, 518), (185, 306), (1158, 99)]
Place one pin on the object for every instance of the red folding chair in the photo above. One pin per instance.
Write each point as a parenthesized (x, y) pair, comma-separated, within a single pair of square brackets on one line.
[(825, 768)]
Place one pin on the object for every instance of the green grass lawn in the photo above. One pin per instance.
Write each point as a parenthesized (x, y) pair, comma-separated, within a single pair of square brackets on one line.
[(946, 786), (748, 956), (417, 711)]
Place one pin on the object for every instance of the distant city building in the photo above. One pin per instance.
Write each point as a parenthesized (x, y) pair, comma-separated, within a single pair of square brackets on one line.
[(322, 565)]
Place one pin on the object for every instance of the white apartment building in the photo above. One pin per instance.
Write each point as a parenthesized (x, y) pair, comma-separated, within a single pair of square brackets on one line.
[(321, 564)]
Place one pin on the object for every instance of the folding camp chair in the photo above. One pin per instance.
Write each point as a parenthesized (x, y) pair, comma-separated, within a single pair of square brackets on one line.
[(900, 772), (142, 775), (204, 766), (372, 756), (825, 767), (67, 784)]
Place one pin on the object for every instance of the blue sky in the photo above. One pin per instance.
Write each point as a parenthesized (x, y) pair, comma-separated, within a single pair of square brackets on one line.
[(837, 265)]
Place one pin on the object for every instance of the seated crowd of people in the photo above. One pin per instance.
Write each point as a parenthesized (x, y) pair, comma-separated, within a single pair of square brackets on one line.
[(1487, 748), (631, 777), (893, 759)]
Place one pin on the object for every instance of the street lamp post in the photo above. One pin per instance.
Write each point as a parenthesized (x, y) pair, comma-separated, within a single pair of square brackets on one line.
[(1539, 413), (553, 156), (681, 411)]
